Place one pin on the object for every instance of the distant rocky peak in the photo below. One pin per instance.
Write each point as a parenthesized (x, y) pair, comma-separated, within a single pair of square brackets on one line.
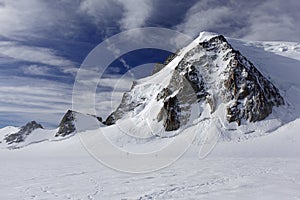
[(30, 126), (23, 132)]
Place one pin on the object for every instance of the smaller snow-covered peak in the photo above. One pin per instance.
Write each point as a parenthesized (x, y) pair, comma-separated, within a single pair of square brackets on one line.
[(22, 133)]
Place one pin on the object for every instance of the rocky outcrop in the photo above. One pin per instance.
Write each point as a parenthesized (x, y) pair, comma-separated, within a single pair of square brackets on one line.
[(66, 125), (170, 114), (22, 133)]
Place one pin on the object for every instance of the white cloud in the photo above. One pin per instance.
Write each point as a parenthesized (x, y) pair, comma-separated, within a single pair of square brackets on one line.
[(34, 99), (199, 20), (23, 17), (96, 8), (274, 20), (127, 14), (33, 54), (24, 97), (35, 70), (24, 20), (103, 13), (136, 13), (265, 20)]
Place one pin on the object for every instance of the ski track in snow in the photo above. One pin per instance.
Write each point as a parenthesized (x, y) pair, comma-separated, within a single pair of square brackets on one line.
[(211, 178)]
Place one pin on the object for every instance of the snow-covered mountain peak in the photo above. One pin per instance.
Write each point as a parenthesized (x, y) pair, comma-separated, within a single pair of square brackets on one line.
[(205, 36), (206, 75)]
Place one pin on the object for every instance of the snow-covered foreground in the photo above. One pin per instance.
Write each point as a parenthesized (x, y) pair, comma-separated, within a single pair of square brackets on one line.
[(213, 178), (265, 167)]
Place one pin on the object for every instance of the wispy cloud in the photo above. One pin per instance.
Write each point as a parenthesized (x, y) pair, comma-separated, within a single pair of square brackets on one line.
[(33, 19), (36, 70), (33, 54), (29, 96), (22, 16)]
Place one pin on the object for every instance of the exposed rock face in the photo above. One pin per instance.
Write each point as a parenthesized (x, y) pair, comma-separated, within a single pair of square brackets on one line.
[(126, 105), (170, 114), (22, 133), (246, 92), (250, 94), (66, 125), (123, 108), (212, 72)]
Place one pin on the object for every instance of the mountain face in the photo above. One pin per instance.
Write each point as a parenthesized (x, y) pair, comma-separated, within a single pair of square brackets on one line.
[(21, 135), (206, 72)]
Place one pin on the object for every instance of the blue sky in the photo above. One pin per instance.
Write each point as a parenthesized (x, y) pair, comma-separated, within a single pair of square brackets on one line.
[(42, 43)]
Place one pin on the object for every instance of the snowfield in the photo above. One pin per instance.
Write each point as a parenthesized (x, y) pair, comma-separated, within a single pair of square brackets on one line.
[(262, 164), (266, 167)]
